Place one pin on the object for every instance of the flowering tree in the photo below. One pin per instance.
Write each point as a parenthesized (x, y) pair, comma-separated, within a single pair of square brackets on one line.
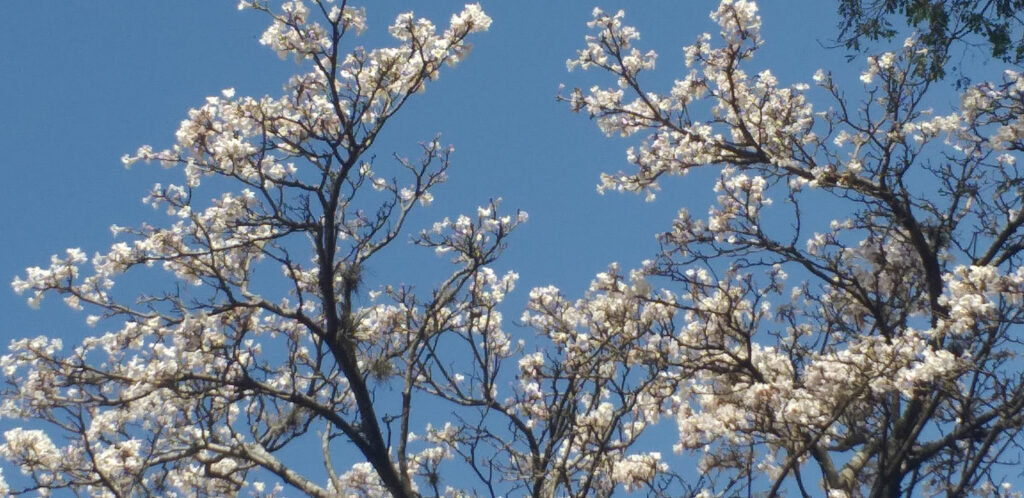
[(197, 386), (873, 354)]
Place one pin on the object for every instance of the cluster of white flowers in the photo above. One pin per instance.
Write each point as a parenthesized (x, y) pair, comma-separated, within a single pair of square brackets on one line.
[(34, 451), (602, 341), (360, 479), (636, 470), (747, 110), (291, 33), (40, 280), (998, 105), (975, 296)]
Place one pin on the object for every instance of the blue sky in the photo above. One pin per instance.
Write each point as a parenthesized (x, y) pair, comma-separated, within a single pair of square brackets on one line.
[(86, 82)]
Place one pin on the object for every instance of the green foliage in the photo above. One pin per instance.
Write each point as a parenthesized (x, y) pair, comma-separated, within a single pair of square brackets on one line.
[(941, 24)]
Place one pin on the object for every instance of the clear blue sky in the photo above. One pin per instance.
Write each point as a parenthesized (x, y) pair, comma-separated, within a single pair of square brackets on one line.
[(85, 82)]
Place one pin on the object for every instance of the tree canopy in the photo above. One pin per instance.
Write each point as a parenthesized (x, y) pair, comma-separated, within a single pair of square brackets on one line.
[(843, 320), (941, 24)]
